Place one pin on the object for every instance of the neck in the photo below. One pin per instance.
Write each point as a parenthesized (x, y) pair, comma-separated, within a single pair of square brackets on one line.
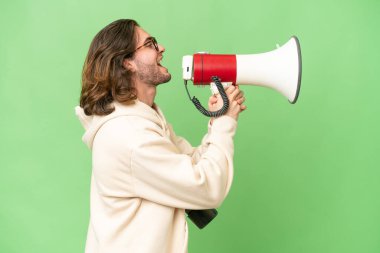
[(146, 93)]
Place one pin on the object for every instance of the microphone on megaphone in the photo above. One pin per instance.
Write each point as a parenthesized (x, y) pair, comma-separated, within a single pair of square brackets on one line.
[(279, 69)]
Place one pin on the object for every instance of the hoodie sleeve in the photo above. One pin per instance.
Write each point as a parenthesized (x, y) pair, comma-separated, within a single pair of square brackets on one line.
[(186, 148), (156, 170)]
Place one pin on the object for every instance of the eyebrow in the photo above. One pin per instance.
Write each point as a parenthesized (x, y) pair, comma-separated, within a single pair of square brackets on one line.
[(147, 39)]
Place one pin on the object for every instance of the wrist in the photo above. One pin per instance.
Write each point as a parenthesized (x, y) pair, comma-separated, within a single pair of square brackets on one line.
[(235, 117)]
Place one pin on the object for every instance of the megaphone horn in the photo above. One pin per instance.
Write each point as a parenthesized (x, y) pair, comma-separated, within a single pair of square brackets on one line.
[(279, 69)]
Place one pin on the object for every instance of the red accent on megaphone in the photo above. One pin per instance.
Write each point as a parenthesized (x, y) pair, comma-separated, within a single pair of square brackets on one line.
[(209, 65)]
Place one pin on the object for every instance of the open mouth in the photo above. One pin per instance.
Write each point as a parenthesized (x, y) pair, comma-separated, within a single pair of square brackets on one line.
[(159, 62)]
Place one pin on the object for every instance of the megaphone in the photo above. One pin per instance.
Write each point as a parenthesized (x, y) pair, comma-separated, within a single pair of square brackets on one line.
[(279, 69)]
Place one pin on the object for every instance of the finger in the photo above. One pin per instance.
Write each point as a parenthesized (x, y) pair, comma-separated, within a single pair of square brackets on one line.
[(243, 107), (230, 89), (240, 100), (234, 94), (240, 95), (213, 99)]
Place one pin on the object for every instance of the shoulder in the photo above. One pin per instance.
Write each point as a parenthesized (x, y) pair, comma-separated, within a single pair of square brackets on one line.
[(128, 131)]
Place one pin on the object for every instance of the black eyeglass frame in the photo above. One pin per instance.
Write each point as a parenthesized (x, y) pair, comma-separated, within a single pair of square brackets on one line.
[(151, 40)]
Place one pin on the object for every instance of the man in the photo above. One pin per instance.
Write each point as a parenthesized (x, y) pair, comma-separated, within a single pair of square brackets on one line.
[(143, 175)]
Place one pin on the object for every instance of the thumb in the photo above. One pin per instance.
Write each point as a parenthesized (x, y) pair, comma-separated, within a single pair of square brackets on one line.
[(213, 100)]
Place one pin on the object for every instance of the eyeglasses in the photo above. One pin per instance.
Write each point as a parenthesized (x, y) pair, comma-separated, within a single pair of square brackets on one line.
[(151, 41)]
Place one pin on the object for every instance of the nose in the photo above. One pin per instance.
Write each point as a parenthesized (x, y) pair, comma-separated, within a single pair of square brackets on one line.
[(161, 48)]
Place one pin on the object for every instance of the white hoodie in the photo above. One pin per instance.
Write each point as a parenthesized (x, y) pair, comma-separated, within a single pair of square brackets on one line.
[(144, 177)]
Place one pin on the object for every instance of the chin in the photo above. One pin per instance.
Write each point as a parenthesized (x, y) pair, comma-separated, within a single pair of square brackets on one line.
[(167, 78)]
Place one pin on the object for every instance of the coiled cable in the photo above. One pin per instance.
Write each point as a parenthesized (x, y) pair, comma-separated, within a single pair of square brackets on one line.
[(222, 93)]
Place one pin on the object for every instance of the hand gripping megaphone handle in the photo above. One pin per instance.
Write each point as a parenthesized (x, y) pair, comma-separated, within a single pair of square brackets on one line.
[(222, 93)]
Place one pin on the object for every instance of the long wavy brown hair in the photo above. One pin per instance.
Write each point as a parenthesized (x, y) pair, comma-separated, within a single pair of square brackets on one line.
[(104, 79)]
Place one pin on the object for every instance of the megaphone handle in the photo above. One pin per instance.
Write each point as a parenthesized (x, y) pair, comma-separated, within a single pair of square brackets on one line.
[(222, 93), (202, 217)]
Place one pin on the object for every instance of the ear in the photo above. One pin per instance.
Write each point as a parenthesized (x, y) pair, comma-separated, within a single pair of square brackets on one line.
[(129, 65)]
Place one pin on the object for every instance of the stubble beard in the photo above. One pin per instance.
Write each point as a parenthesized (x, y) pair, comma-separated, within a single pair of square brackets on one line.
[(151, 74)]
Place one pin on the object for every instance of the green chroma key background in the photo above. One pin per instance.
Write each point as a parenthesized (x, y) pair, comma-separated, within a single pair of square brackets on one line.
[(307, 176)]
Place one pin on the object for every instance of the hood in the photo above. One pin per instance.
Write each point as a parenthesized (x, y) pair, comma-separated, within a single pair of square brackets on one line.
[(93, 123)]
